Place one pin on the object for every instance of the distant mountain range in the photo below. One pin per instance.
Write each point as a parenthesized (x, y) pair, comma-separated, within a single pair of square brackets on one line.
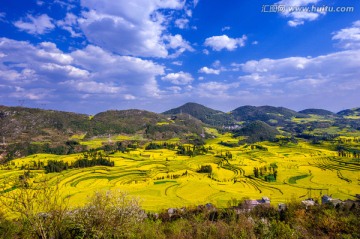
[(252, 113), (19, 124)]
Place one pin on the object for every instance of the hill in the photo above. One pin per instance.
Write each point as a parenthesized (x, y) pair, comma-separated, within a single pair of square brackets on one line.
[(20, 124), (151, 125), (207, 115), (257, 131), (269, 114), (320, 112), (350, 112)]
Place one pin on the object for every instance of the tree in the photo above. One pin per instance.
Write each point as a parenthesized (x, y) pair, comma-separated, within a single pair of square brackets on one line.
[(40, 207), (256, 172), (110, 214)]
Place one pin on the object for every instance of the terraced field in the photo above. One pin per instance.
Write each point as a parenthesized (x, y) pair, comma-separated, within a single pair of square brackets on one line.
[(163, 179)]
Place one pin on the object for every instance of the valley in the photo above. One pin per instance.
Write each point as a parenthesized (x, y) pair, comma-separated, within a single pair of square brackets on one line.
[(215, 166)]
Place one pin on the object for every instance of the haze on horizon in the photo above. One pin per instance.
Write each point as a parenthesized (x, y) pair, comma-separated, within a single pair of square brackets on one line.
[(89, 56)]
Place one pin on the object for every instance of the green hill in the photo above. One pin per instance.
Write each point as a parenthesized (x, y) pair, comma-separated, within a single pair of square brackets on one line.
[(207, 115), (151, 125), (320, 112), (350, 112), (269, 114), (257, 131), (20, 124)]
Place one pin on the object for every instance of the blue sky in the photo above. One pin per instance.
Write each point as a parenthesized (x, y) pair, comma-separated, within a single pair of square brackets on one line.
[(93, 55)]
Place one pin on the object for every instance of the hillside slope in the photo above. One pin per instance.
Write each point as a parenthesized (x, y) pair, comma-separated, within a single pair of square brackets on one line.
[(268, 114), (19, 124), (207, 115), (320, 112)]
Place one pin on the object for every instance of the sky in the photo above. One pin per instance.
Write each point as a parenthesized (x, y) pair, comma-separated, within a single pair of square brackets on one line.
[(90, 56)]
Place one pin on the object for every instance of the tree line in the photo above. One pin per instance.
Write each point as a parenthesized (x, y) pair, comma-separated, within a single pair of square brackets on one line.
[(89, 159)]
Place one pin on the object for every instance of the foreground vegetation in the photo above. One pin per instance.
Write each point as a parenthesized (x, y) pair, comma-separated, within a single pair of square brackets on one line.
[(41, 213)]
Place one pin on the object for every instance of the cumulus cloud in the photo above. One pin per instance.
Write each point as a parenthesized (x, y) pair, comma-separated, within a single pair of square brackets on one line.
[(218, 43), (316, 74), (214, 88), (176, 45), (179, 78), (134, 27), (207, 70), (349, 38), (136, 76), (35, 24), (91, 70), (296, 10), (93, 87)]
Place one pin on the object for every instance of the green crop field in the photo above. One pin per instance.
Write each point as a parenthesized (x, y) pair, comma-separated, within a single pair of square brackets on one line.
[(161, 178)]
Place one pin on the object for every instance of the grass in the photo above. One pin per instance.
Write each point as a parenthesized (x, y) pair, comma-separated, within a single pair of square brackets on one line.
[(163, 179)]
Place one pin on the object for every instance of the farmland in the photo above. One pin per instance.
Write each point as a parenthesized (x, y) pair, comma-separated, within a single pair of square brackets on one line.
[(162, 178)]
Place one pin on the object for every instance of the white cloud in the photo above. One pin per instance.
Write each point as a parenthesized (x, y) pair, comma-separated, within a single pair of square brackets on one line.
[(225, 28), (175, 89), (206, 52), (188, 13), (207, 70), (177, 63), (299, 11), (70, 24), (35, 24), (90, 70), (322, 73), (134, 27), (65, 4), (31, 94), (134, 75), (129, 97), (179, 78), (349, 38), (216, 64), (93, 87), (213, 88), (182, 23), (67, 71), (176, 44), (218, 43)]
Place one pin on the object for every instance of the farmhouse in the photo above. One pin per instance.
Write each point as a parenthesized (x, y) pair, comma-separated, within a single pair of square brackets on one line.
[(250, 204), (281, 206), (308, 202), (327, 199)]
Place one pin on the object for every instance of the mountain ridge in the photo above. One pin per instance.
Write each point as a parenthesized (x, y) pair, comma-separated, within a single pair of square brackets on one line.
[(22, 123)]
